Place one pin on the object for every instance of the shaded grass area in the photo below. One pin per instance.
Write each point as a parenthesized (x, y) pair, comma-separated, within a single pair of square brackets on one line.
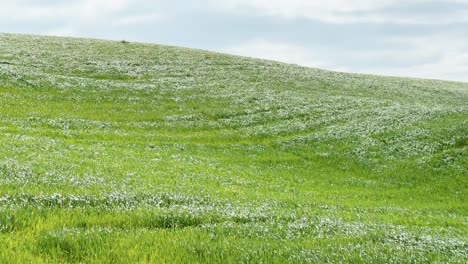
[(120, 153)]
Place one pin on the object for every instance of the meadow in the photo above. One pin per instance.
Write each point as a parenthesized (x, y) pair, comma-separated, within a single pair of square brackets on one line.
[(121, 152)]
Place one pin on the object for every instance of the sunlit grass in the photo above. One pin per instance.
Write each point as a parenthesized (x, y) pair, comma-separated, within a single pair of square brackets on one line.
[(125, 152)]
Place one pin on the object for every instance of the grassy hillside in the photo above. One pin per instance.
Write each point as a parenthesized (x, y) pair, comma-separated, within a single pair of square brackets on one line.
[(118, 152)]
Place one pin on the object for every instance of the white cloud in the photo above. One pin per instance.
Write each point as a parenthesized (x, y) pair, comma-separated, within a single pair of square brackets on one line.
[(79, 17), (451, 62), (97, 8), (344, 11), (68, 10), (71, 16), (139, 19), (452, 66)]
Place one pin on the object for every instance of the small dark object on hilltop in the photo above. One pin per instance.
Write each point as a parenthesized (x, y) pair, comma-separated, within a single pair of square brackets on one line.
[(124, 42)]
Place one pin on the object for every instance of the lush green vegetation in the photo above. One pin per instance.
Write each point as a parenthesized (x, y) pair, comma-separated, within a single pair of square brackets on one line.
[(123, 152)]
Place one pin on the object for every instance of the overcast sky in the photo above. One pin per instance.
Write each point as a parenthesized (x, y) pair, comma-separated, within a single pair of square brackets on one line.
[(417, 38)]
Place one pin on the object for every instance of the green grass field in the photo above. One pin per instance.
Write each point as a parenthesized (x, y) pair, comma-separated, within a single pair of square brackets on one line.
[(115, 152)]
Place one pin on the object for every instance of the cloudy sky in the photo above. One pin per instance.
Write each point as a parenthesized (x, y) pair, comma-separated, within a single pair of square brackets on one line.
[(417, 38)]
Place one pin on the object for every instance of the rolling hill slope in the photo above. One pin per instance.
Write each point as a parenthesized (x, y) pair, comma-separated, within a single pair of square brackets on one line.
[(126, 152)]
